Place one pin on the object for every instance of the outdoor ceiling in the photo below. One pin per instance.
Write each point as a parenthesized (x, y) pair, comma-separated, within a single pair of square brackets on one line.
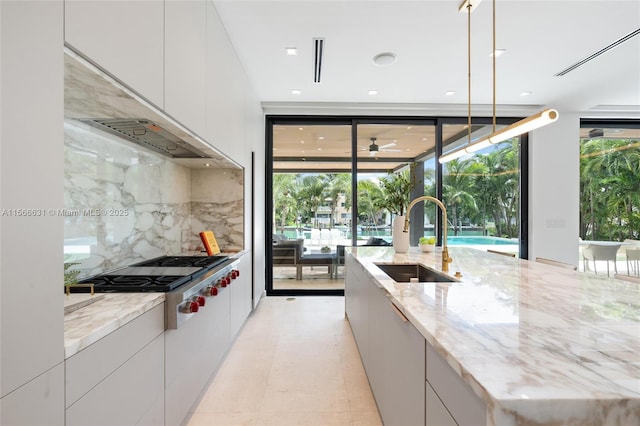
[(328, 147)]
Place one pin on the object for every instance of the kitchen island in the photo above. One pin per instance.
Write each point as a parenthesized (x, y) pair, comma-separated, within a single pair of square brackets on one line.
[(530, 343)]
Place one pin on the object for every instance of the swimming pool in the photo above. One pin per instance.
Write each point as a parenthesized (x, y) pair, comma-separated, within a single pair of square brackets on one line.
[(480, 241)]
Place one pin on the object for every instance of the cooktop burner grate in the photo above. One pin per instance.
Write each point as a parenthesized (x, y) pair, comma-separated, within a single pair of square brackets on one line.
[(200, 261), (162, 274), (132, 283)]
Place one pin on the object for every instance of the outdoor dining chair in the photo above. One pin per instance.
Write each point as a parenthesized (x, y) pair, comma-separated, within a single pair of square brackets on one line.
[(596, 252)]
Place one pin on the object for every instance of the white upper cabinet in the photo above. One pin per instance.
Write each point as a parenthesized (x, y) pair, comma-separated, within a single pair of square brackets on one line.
[(123, 37), (185, 63)]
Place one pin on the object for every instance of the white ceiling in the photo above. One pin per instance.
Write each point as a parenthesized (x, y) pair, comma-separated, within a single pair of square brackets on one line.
[(541, 38)]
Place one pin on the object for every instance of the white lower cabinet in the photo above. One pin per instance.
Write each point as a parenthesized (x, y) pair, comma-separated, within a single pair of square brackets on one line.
[(464, 406), (356, 291), (412, 384), (119, 380), (437, 414), (397, 354), (241, 291), (193, 354), (391, 348)]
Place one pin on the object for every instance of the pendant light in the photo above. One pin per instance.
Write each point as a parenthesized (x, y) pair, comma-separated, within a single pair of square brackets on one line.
[(525, 125)]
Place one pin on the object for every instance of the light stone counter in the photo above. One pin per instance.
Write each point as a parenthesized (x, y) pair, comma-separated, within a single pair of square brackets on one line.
[(539, 344), (89, 324)]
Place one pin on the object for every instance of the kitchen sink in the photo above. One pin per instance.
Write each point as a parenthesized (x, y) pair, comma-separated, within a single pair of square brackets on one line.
[(403, 273)]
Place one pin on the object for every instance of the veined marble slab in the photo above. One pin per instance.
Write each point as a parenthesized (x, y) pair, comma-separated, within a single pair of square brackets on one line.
[(539, 344), (91, 323)]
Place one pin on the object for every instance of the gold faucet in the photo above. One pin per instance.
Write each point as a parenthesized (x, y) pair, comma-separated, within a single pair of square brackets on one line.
[(446, 259)]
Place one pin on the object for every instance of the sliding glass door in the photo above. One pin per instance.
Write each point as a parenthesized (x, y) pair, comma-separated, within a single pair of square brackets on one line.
[(337, 182)]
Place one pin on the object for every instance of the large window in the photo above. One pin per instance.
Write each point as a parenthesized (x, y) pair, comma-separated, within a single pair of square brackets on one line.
[(337, 182), (482, 192), (609, 190)]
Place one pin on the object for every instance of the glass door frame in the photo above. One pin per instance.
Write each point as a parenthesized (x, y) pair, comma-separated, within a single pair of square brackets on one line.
[(354, 121)]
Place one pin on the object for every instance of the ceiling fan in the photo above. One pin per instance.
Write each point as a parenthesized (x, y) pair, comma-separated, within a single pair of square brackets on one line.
[(374, 149)]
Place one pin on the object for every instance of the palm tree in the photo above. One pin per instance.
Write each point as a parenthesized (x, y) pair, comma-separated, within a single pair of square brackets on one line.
[(609, 189), (312, 194), (370, 200), (458, 188), (285, 199), (337, 185)]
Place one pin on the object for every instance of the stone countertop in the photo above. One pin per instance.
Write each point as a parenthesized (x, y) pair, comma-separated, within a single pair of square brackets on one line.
[(90, 323), (539, 344)]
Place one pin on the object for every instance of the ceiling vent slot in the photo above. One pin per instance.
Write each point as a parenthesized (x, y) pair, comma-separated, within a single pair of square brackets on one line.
[(598, 53), (318, 46)]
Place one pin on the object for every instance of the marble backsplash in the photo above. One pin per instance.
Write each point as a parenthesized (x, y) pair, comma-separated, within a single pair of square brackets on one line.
[(124, 204)]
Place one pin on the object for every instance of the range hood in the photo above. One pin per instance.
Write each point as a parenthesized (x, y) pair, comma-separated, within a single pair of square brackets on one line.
[(147, 134), (95, 97)]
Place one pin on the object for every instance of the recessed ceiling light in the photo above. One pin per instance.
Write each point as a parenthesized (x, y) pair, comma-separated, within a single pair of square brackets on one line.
[(301, 141), (525, 93), (386, 58), (373, 92), (207, 165), (449, 93), (319, 149), (499, 52), (424, 139), (296, 91), (321, 137), (291, 51), (301, 128)]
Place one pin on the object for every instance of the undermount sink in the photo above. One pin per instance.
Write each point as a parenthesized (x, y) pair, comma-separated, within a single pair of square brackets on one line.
[(403, 273)]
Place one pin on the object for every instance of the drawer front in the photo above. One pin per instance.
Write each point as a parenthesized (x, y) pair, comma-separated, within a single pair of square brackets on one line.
[(437, 414), (458, 398), (132, 394), (90, 366)]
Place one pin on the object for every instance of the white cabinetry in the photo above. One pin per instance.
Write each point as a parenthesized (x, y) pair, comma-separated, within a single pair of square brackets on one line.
[(120, 378), (31, 298), (356, 291), (241, 290), (193, 354), (398, 360), (392, 350), (464, 406), (123, 37), (185, 62), (437, 414)]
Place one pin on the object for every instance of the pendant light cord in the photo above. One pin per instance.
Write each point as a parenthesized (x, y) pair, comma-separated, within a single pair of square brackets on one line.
[(469, 70), (494, 66)]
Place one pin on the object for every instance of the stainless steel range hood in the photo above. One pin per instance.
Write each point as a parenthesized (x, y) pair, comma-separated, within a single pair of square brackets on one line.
[(149, 135), (95, 97)]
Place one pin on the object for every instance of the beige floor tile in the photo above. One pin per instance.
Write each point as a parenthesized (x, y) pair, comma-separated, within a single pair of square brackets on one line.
[(224, 419), (287, 418), (365, 418), (295, 362), (305, 401)]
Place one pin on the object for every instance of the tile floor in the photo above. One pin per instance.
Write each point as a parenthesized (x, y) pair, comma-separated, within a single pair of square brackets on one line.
[(295, 362)]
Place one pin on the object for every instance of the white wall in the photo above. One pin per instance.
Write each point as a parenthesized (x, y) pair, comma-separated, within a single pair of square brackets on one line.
[(554, 190), (31, 177)]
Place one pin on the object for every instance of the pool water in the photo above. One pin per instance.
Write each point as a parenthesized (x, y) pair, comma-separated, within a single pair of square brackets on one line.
[(480, 241)]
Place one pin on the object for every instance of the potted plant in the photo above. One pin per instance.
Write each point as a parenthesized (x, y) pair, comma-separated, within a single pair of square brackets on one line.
[(427, 244), (397, 189)]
